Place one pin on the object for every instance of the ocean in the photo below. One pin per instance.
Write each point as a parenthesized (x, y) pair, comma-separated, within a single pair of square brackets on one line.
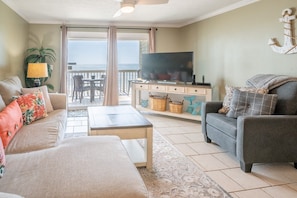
[(91, 67)]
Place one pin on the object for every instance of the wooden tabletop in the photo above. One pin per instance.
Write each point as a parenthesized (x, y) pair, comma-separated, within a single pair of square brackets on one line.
[(122, 116)]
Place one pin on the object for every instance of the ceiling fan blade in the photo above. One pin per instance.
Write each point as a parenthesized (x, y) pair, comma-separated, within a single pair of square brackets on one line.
[(117, 14), (151, 2)]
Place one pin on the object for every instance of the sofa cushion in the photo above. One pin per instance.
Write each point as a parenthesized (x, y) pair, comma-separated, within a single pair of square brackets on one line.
[(9, 88), (32, 106), (247, 103), (287, 99), (10, 122), (96, 166), (44, 90), (223, 123), (41, 134), (2, 159), (58, 100)]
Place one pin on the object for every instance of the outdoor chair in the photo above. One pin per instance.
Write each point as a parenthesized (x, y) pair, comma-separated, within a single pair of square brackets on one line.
[(79, 87), (100, 86)]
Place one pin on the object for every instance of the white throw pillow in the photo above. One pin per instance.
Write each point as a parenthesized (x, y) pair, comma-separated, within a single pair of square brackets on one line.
[(9, 88), (2, 104)]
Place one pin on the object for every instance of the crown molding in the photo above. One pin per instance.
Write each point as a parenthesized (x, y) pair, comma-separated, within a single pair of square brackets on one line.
[(221, 11)]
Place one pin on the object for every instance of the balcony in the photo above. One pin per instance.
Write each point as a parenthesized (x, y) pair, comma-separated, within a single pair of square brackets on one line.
[(124, 77)]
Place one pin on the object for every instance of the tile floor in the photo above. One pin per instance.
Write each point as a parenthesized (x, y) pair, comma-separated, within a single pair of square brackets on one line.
[(265, 181)]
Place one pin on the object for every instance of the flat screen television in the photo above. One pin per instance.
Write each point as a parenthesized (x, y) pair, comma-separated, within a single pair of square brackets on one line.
[(174, 66)]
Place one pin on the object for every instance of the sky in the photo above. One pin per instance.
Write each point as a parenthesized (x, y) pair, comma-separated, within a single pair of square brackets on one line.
[(95, 52)]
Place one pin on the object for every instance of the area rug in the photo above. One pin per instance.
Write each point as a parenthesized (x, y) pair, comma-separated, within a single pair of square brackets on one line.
[(174, 175)]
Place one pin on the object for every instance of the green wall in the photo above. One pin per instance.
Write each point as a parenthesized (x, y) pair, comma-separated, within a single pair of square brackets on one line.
[(13, 42), (168, 40), (48, 36), (232, 47)]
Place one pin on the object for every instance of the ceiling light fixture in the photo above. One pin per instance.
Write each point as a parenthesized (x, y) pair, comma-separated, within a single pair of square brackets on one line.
[(127, 7)]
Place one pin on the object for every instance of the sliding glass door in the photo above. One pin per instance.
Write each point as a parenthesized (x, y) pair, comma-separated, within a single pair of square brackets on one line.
[(87, 56)]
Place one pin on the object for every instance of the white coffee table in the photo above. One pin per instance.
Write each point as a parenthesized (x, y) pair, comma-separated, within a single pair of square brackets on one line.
[(127, 123)]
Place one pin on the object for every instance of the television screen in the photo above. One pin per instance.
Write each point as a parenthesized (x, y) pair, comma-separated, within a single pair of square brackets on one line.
[(176, 66)]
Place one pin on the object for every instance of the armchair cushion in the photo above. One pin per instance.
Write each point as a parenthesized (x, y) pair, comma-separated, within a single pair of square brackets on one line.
[(227, 125), (246, 103)]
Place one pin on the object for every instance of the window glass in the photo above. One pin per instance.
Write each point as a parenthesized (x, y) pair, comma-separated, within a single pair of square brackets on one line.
[(87, 54), (128, 54)]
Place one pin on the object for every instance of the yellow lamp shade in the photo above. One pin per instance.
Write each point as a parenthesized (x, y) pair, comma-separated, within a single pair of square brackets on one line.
[(37, 70)]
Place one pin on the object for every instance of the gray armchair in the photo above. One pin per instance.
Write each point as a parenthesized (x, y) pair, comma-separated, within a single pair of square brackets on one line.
[(256, 139)]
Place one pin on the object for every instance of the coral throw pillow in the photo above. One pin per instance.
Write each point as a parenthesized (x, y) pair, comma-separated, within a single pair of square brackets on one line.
[(32, 106), (2, 159), (11, 121), (44, 90)]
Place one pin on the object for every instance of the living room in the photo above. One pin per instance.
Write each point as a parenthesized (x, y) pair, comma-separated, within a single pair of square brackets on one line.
[(229, 49)]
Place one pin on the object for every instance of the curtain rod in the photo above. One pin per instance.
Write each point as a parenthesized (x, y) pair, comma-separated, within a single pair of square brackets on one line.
[(105, 27)]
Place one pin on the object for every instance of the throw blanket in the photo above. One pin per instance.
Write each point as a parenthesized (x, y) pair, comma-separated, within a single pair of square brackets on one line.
[(269, 81)]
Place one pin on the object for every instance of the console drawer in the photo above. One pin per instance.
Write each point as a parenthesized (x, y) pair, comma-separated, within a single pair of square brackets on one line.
[(157, 88), (197, 91), (141, 86), (174, 89)]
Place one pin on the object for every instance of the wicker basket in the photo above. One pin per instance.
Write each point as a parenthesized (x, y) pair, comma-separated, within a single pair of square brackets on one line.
[(176, 107), (158, 103)]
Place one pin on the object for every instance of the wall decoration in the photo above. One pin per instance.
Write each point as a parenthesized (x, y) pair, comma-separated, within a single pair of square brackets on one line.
[(289, 46)]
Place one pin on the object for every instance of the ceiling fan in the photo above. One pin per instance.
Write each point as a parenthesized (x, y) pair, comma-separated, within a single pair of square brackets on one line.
[(128, 6)]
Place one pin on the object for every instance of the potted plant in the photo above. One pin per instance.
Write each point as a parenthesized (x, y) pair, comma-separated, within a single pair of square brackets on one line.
[(39, 55)]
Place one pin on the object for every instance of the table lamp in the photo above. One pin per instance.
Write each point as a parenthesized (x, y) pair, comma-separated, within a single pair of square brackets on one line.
[(37, 70)]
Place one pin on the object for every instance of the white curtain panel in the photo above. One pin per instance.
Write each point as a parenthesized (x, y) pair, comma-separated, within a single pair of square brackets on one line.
[(64, 60), (111, 95)]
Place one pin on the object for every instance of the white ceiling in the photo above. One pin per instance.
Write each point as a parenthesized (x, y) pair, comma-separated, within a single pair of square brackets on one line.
[(176, 13)]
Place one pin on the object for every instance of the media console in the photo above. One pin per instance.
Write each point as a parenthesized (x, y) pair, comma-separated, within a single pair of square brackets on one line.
[(182, 89)]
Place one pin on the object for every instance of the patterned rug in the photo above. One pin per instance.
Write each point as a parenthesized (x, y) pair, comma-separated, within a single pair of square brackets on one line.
[(174, 175)]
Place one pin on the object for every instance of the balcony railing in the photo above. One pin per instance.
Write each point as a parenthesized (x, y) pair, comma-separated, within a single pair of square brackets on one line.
[(124, 77)]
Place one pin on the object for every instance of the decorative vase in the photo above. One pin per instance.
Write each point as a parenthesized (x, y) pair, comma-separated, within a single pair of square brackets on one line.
[(144, 103)]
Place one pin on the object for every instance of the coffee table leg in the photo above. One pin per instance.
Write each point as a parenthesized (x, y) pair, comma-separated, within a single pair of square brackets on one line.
[(149, 148)]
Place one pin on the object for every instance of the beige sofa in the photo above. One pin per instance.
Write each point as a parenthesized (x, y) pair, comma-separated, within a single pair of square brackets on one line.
[(40, 163)]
